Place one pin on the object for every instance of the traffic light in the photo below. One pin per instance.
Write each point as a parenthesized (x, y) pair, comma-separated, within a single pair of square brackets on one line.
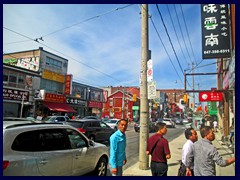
[(191, 105), (134, 98), (185, 98)]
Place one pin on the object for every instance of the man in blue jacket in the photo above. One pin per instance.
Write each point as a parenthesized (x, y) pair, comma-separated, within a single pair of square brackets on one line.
[(118, 148)]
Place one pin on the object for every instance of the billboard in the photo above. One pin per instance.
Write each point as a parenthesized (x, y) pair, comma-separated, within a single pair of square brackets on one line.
[(215, 31)]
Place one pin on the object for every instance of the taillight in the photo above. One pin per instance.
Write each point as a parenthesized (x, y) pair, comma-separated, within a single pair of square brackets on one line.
[(81, 130), (5, 164)]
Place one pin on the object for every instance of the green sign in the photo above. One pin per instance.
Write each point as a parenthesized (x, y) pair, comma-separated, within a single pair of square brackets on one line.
[(135, 108)]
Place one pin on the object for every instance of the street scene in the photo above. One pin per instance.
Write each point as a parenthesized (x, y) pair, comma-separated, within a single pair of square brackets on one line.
[(119, 90)]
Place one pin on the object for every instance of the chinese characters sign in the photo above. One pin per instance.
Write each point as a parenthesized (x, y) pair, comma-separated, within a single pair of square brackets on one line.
[(215, 31), (68, 84), (210, 96), (14, 94), (55, 98)]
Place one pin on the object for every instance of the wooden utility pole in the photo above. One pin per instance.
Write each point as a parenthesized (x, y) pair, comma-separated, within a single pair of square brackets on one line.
[(144, 108)]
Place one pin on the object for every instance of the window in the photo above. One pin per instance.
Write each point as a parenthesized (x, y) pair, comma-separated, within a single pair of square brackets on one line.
[(76, 139), (52, 86), (12, 78), (53, 63)]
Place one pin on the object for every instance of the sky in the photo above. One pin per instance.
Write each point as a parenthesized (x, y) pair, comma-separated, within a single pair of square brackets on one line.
[(103, 41)]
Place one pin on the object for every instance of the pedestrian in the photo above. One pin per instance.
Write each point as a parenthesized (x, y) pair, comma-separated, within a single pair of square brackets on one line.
[(192, 137), (118, 149), (215, 125), (205, 155), (158, 148), (231, 133)]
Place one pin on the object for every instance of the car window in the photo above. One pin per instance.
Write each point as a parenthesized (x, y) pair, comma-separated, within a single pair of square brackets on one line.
[(60, 119), (76, 139), (41, 140), (53, 139), (95, 124), (103, 125), (75, 124)]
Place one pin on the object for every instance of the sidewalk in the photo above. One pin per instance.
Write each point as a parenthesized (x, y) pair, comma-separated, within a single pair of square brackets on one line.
[(176, 156)]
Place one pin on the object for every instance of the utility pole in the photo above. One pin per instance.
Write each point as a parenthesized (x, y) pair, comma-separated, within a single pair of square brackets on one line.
[(144, 109), (123, 103), (193, 87)]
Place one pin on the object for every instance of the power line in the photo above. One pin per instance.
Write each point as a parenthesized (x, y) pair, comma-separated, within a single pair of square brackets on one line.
[(88, 19), (65, 55), (176, 34), (169, 38)]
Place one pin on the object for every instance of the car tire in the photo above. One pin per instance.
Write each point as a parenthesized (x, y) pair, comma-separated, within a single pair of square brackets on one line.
[(101, 168)]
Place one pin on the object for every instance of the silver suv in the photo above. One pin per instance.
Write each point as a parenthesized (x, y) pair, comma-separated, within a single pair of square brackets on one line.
[(50, 149)]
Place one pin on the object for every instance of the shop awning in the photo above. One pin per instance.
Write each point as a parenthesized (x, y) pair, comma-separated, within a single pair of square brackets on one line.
[(59, 107)]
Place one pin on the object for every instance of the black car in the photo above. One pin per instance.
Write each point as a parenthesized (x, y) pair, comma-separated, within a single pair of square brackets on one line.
[(94, 129), (137, 126)]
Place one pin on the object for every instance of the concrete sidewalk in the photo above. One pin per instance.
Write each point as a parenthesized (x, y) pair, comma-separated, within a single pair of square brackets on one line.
[(176, 156)]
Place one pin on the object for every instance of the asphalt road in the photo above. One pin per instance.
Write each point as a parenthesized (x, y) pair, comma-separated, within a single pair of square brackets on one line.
[(132, 150)]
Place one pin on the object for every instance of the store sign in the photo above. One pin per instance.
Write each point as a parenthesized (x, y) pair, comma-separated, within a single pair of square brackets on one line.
[(68, 84), (94, 104), (53, 76), (210, 96), (55, 98), (14, 94), (215, 31), (75, 101)]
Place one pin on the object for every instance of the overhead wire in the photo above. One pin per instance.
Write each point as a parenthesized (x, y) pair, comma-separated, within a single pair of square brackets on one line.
[(65, 55)]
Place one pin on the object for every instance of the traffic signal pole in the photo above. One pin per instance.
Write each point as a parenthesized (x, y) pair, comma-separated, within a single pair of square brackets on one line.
[(144, 109)]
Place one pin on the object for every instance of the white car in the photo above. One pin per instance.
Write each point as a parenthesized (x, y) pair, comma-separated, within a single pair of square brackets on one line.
[(169, 122), (113, 123)]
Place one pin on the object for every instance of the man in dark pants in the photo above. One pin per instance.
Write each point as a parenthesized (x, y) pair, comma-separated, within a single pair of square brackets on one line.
[(158, 147)]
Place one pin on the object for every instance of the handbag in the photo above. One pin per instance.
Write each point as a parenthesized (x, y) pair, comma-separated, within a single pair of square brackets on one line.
[(154, 146), (181, 170)]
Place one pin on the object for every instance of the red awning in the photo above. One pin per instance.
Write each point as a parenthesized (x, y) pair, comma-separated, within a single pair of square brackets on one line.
[(60, 107)]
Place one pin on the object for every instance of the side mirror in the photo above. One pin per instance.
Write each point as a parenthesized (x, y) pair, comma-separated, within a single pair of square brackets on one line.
[(92, 143)]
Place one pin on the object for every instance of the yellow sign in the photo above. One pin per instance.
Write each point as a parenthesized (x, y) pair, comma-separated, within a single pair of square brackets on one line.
[(53, 76)]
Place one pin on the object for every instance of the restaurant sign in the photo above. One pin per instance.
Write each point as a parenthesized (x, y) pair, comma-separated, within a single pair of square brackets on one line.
[(210, 96)]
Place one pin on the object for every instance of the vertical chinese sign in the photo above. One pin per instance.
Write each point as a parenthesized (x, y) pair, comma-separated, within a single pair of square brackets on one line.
[(215, 31), (68, 84)]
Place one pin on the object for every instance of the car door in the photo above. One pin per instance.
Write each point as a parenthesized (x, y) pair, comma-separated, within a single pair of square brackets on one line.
[(54, 157), (84, 156), (106, 131)]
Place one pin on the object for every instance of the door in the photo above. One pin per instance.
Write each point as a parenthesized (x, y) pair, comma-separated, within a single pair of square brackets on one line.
[(84, 157), (55, 156)]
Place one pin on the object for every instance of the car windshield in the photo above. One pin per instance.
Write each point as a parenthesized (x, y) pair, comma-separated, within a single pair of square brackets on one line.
[(50, 118)]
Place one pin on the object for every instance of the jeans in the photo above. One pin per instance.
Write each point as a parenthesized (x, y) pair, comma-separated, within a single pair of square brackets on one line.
[(159, 169), (119, 171), (231, 136)]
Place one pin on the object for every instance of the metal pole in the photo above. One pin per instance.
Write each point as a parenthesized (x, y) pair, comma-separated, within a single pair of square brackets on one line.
[(123, 103), (22, 106), (144, 109)]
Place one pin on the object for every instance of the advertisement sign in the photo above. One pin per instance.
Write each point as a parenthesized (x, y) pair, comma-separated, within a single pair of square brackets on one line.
[(215, 31), (210, 96), (29, 63), (68, 84)]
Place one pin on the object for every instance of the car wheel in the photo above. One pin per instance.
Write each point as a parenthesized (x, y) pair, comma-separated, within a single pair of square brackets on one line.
[(101, 168)]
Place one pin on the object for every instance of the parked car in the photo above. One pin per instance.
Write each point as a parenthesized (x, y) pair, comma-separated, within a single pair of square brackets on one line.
[(90, 117), (179, 121), (137, 126), (50, 149), (169, 122), (61, 119), (113, 123), (94, 129)]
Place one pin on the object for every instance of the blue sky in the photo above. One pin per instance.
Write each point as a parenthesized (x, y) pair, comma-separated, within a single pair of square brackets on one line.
[(103, 45)]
